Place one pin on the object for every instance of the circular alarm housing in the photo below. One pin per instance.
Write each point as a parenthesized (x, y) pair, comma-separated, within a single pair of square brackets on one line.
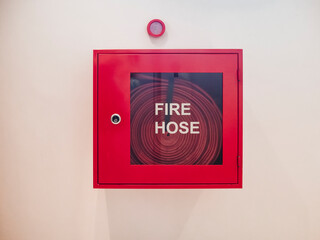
[(156, 28)]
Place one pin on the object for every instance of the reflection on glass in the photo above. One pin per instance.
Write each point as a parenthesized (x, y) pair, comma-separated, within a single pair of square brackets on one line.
[(176, 118)]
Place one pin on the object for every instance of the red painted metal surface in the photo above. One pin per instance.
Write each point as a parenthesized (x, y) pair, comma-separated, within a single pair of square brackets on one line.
[(112, 168)]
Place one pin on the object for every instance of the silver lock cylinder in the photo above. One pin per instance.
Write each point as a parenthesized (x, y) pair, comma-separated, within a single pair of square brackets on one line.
[(115, 118)]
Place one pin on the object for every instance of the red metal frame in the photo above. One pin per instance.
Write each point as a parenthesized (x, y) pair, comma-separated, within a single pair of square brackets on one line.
[(133, 55), (163, 28)]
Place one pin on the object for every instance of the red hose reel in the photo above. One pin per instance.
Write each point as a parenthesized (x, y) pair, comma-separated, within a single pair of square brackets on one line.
[(148, 148)]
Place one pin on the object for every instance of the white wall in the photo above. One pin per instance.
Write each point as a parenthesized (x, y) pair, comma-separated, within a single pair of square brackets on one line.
[(46, 120)]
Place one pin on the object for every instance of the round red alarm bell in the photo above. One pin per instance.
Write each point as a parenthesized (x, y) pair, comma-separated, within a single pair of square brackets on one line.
[(156, 28)]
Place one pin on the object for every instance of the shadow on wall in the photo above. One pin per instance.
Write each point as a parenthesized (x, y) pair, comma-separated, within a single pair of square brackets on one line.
[(135, 214), (159, 41)]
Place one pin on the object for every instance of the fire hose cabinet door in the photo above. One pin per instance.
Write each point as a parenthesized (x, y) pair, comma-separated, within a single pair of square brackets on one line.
[(167, 118)]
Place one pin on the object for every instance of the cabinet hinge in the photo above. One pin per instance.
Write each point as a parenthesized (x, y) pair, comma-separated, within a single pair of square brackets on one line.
[(238, 161)]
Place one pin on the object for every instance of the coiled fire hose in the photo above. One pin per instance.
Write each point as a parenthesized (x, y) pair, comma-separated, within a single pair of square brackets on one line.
[(149, 148)]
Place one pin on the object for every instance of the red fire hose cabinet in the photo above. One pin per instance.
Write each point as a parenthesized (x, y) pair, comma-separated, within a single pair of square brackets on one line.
[(167, 118)]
